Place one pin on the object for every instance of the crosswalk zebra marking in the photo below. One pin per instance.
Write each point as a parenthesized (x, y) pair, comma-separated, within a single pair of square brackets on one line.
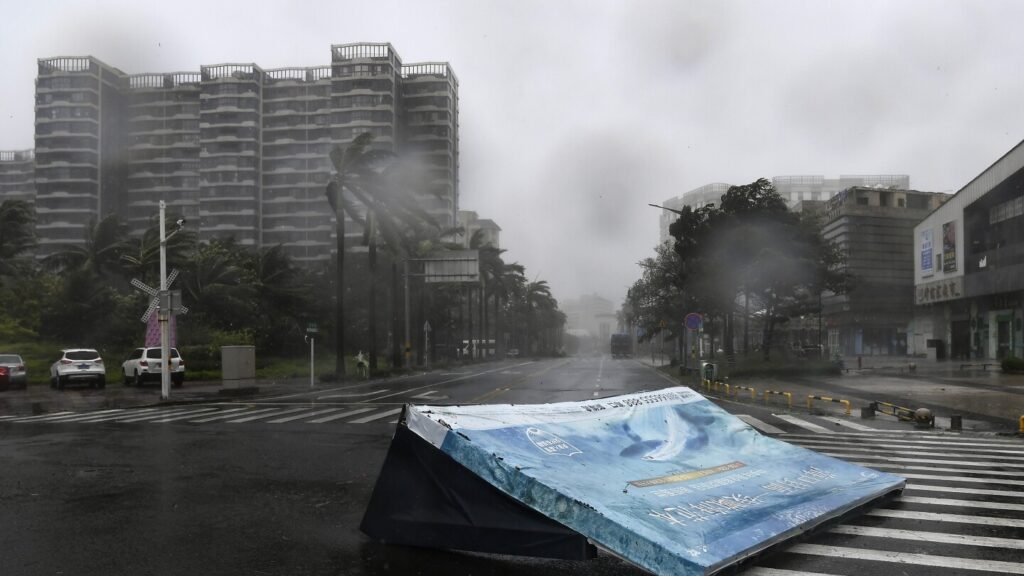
[(943, 517), (760, 425), (279, 412), (908, 558), (763, 571), (961, 490), (376, 416), (333, 417), (301, 416), (801, 423), (92, 417), (225, 414), (923, 460), (137, 418), (848, 424), (184, 416), (935, 537), (961, 503), (900, 467), (62, 415), (896, 449)]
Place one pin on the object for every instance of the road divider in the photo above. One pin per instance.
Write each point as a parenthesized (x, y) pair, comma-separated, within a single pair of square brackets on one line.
[(788, 395), (811, 398)]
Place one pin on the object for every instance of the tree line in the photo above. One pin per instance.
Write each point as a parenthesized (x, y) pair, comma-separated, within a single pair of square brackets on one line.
[(81, 295)]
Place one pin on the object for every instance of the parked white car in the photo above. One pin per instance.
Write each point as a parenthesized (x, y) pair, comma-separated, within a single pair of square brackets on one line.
[(76, 365), (144, 364)]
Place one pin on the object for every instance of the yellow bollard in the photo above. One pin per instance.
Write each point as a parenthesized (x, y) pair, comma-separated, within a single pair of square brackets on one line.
[(1021, 425)]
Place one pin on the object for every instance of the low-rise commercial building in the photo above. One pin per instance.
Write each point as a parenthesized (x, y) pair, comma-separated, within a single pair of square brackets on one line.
[(873, 228), (969, 268)]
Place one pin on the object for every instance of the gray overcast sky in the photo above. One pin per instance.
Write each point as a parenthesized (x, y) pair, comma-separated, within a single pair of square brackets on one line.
[(576, 115)]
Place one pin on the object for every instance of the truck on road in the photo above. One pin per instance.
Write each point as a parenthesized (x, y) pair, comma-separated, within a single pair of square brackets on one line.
[(622, 346)]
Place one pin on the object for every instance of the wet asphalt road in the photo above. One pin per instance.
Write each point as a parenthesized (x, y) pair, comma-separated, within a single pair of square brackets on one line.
[(261, 498)]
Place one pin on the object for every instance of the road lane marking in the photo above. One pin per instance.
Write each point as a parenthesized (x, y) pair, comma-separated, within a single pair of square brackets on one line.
[(250, 418), (935, 537), (941, 517), (760, 425), (848, 424), (429, 396), (301, 416), (443, 382), (186, 415), (961, 503), (342, 415), (225, 414), (960, 490), (376, 416), (908, 558), (801, 423)]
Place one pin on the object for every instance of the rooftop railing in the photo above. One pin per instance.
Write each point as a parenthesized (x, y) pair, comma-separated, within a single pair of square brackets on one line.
[(311, 74), (16, 155), (67, 64), (170, 80), (442, 69), (362, 50), (239, 71)]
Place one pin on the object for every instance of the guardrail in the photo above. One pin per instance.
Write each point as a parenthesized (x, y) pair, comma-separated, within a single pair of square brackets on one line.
[(811, 397), (788, 395), (893, 410)]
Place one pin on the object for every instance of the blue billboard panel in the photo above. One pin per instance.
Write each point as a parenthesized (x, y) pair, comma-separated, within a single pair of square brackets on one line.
[(664, 479)]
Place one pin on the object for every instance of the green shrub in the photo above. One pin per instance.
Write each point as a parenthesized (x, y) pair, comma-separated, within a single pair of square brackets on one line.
[(1013, 364)]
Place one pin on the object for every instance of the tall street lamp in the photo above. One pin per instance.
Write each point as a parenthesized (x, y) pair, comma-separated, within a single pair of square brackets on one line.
[(164, 312)]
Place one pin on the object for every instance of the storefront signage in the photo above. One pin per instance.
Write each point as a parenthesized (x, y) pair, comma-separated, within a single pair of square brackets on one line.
[(927, 266), (940, 290), (949, 247)]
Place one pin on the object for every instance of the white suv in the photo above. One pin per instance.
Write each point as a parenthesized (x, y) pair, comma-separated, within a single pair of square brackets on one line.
[(144, 364), (77, 364)]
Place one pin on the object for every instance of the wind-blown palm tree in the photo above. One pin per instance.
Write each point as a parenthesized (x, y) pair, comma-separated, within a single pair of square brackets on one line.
[(384, 194), (105, 242), (17, 234), (141, 256)]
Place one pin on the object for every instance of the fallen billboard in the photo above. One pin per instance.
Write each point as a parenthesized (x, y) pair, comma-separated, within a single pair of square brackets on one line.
[(666, 479)]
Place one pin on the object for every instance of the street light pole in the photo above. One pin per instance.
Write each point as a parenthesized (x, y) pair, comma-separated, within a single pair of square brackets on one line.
[(164, 312)]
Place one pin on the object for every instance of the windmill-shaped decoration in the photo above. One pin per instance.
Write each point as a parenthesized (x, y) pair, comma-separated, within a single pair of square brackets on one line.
[(152, 320)]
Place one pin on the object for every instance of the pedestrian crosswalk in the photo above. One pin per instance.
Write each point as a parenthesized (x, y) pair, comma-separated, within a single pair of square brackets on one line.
[(224, 414), (962, 511)]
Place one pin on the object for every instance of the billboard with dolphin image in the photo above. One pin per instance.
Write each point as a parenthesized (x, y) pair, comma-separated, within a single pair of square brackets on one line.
[(666, 479)]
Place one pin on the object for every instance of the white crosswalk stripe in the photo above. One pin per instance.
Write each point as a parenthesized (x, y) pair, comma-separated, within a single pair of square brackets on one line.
[(306, 414), (962, 510), (279, 412), (760, 425), (377, 416), (801, 423), (340, 416)]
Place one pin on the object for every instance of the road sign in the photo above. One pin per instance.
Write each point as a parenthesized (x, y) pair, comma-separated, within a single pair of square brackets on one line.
[(312, 329), (693, 321)]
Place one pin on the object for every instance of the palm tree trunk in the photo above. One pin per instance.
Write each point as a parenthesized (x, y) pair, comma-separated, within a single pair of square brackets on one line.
[(339, 294), (396, 357)]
